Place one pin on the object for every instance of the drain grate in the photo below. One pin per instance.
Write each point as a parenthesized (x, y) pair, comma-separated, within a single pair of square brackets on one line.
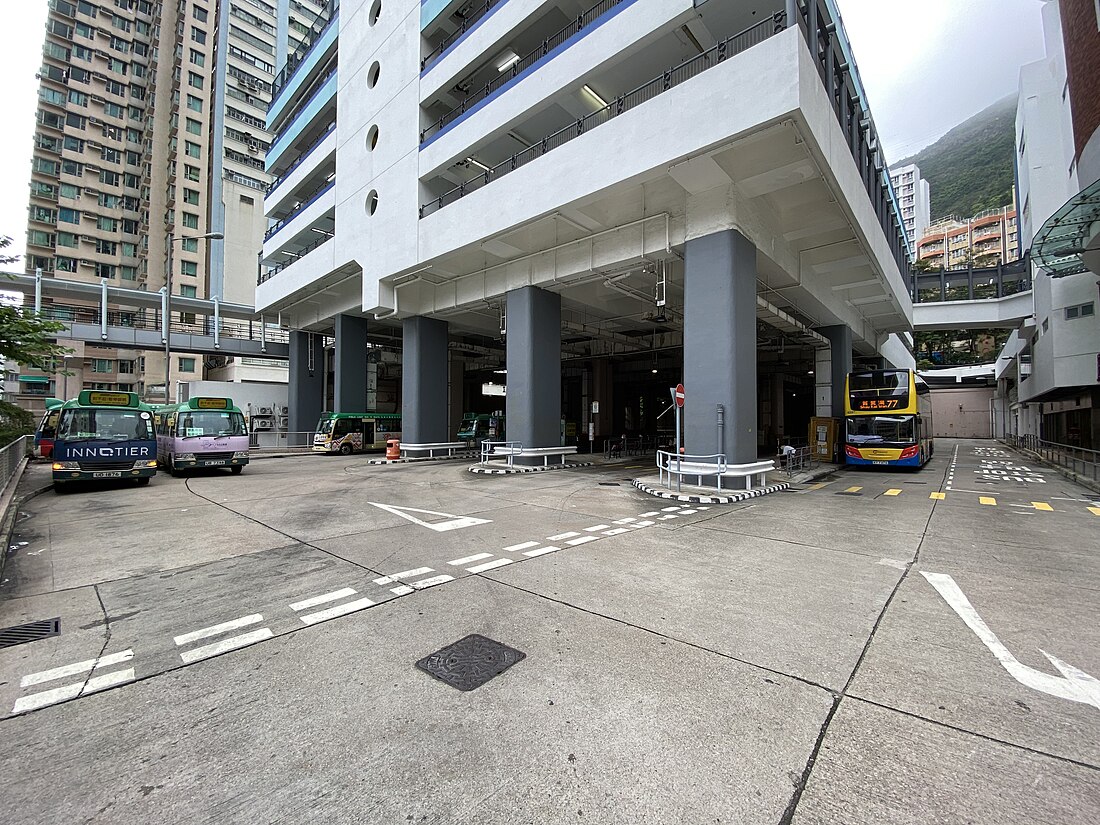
[(470, 662), (32, 632)]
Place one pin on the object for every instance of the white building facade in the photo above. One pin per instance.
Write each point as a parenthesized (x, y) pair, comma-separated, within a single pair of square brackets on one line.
[(915, 200), (520, 186)]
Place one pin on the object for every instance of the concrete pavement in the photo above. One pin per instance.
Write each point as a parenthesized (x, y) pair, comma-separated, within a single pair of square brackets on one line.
[(246, 648)]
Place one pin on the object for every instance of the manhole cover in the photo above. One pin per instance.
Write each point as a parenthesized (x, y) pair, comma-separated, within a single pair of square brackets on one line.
[(32, 632), (470, 662)]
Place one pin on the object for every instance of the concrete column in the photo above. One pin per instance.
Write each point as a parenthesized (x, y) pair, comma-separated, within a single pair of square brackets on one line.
[(840, 364), (720, 345), (534, 368), (424, 376), (306, 379), (778, 411), (455, 396), (823, 381), (350, 365)]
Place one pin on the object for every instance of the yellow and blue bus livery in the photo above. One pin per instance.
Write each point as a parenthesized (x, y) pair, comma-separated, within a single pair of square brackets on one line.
[(887, 418), (347, 433), (104, 435)]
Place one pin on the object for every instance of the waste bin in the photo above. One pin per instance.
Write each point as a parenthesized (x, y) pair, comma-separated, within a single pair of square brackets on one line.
[(393, 449)]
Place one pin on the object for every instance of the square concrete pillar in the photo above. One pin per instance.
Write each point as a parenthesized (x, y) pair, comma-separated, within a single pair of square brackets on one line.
[(350, 365), (534, 368), (720, 345), (306, 381), (424, 374), (840, 364)]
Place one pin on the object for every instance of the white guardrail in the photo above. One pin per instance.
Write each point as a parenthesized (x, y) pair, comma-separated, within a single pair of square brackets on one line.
[(500, 449), (11, 459)]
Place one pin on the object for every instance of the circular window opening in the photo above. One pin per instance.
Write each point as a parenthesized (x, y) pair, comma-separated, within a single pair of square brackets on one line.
[(372, 138), (372, 75), (372, 202), (375, 10)]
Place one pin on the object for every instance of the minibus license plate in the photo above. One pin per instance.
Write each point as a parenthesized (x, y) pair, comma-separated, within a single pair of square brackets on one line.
[(108, 474)]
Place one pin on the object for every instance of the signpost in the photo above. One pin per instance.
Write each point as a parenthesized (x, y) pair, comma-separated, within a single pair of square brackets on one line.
[(678, 398)]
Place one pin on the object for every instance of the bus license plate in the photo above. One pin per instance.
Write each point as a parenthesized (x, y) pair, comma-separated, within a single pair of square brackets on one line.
[(213, 463), (108, 474), (880, 462)]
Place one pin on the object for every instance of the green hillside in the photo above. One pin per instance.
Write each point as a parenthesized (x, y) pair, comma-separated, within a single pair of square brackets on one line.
[(970, 169)]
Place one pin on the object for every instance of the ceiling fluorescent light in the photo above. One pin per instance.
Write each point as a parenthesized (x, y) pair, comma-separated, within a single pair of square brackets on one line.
[(586, 88), (506, 60), (478, 164)]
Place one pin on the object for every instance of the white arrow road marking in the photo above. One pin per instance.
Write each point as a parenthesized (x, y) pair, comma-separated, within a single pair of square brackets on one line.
[(1074, 685), (454, 522)]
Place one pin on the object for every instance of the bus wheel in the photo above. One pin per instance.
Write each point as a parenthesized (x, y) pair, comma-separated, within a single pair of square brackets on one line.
[(142, 482), (172, 468), (345, 449), (60, 489), (236, 470)]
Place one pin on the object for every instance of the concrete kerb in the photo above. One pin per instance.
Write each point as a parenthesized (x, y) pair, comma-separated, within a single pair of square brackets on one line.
[(459, 457), (481, 469), (691, 494), (10, 503)]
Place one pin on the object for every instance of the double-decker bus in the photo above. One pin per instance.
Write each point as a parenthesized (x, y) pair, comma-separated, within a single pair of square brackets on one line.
[(47, 427), (888, 418), (103, 435), (201, 432), (347, 433)]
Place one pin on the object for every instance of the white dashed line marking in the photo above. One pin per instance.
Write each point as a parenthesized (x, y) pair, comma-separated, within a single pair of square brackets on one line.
[(73, 669), (432, 582), (561, 536), (489, 565), (214, 630), (468, 559), (59, 694), (327, 597), (406, 574), (338, 610), (232, 643), (402, 590), (597, 528), (581, 540), (526, 545), (542, 551)]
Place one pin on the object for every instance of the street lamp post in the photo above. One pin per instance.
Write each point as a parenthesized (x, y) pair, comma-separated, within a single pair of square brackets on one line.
[(213, 236)]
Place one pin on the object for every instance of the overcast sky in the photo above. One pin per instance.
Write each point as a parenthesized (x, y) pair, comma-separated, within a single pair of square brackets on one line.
[(927, 66)]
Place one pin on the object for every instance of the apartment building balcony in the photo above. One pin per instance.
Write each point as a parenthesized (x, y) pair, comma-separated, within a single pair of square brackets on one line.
[(296, 273), (309, 121), (315, 162), (292, 230), (311, 61)]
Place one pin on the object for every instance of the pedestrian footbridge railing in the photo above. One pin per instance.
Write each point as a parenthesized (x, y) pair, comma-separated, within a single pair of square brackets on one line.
[(1082, 462)]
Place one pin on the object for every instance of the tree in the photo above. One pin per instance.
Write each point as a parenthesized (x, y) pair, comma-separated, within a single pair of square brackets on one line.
[(25, 338)]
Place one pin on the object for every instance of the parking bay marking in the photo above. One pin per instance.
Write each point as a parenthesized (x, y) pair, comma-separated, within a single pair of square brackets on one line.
[(453, 522), (1074, 684)]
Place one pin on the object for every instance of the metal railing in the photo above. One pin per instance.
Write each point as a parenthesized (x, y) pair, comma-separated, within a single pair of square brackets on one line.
[(751, 36), (471, 19), (271, 272), (689, 465), (972, 283), (11, 457), (503, 78), (325, 18), (190, 323), (302, 110), (629, 446), (1078, 460), (794, 461), (300, 208), (507, 449), (305, 154), (275, 441)]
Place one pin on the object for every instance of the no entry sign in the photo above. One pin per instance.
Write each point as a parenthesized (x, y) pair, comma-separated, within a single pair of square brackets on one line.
[(678, 395)]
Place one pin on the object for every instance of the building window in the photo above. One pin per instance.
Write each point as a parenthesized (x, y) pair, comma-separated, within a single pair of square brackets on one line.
[(186, 365), (194, 103), (193, 150), (68, 215), (1080, 311), (126, 367), (190, 244), (194, 126), (190, 172), (190, 220), (102, 365), (198, 35), (105, 270), (191, 196), (194, 80), (188, 291), (198, 58), (189, 268)]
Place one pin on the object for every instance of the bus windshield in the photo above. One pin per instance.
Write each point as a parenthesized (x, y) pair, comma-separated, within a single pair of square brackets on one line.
[(325, 425), (104, 424), (881, 430), (194, 423)]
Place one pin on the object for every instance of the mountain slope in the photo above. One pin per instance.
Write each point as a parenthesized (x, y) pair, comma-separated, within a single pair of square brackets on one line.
[(971, 167)]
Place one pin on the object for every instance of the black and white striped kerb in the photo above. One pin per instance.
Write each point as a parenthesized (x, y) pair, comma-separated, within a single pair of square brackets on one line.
[(458, 457), (507, 471), (731, 498)]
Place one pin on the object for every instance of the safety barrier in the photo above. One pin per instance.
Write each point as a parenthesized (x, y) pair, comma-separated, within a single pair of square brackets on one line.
[(1079, 461)]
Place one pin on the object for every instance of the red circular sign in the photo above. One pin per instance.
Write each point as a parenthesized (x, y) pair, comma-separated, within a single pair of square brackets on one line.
[(679, 395)]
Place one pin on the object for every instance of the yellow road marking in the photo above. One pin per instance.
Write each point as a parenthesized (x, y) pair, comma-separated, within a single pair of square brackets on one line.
[(853, 489), (1042, 505), (1095, 511), (819, 485), (894, 492), (937, 496), (988, 500)]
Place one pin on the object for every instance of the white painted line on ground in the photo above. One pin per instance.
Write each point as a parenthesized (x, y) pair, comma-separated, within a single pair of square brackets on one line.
[(542, 551), (214, 630), (232, 643), (597, 528), (475, 557), (327, 597), (526, 545), (561, 536), (702, 508), (625, 520), (489, 565), (60, 694), (404, 574), (432, 582), (671, 509), (900, 565), (666, 518), (688, 512), (581, 540), (454, 522), (616, 531), (644, 524), (73, 669), (402, 590), (338, 610)]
